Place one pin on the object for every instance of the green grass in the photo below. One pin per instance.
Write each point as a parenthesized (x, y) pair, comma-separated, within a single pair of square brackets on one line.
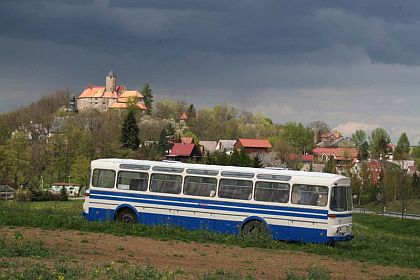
[(379, 240), (67, 270), (394, 206), (22, 247)]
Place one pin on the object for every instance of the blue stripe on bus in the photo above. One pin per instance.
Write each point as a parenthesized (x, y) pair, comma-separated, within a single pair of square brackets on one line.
[(290, 233), (221, 208), (214, 202)]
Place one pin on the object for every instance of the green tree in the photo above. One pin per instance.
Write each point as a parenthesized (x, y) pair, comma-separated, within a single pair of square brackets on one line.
[(298, 136), (165, 137), (79, 171), (130, 132), (148, 97), (359, 139), (330, 166), (379, 142), (403, 148), (256, 162), (15, 159)]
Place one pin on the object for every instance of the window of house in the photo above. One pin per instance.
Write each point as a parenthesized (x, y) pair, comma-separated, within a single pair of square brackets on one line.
[(310, 195), (166, 183), (200, 186), (103, 178), (134, 181), (272, 192), (235, 189)]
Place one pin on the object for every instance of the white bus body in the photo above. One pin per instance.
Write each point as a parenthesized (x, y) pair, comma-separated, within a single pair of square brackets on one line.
[(289, 205)]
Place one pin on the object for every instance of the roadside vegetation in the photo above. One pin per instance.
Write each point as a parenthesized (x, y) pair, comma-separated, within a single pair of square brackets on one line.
[(379, 240)]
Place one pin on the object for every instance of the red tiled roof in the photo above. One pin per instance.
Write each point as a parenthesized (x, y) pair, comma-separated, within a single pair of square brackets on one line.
[(254, 143), (339, 153), (296, 157), (181, 149)]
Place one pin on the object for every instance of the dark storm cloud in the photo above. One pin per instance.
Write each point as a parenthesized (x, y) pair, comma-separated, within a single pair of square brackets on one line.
[(350, 63), (385, 30)]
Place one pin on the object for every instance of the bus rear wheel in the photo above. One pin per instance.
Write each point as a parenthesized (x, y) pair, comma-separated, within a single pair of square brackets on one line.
[(254, 227), (127, 216)]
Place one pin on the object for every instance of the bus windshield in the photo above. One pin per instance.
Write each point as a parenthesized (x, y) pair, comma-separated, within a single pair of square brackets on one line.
[(341, 199)]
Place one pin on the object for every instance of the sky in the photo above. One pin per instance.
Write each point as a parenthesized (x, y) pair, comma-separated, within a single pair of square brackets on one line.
[(352, 64)]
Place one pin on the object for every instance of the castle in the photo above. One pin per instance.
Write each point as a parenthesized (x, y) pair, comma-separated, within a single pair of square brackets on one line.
[(108, 97)]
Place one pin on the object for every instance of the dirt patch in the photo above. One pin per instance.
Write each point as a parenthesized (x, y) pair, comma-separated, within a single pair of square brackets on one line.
[(92, 249)]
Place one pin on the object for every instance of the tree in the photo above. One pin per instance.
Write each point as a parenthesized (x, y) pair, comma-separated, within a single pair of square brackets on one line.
[(379, 142), (403, 148), (79, 171), (148, 97), (298, 136), (256, 162), (415, 154), (165, 137), (330, 166), (359, 139), (130, 132)]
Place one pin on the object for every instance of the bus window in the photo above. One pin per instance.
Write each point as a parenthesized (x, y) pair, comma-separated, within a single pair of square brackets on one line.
[(341, 199), (200, 186), (103, 178), (134, 181), (272, 192), (310, 195), (235, 189), (165, 183)]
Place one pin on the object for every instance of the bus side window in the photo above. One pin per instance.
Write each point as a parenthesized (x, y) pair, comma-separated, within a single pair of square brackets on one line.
[(310, 195), (200, 186), (166, 183), (235, 189), (135, 181), (103, 178), (272, 192)]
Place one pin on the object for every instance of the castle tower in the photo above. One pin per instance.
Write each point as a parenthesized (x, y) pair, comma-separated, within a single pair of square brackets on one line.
[(111, 82)]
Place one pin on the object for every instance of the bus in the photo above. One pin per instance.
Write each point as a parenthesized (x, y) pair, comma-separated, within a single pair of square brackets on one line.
[(287, 205)]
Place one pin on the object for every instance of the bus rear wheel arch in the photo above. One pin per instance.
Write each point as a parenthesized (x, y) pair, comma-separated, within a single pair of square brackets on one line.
[(126, 215), (254, 227)]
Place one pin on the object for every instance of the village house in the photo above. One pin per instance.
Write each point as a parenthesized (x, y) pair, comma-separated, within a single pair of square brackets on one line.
[(343, 156), (109, 96), (184, 152), (253, 145), (226, 146)]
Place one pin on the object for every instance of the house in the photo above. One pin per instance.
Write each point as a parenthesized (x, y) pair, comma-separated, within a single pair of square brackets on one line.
[(109, 96), (184, 152), (253, 145), (6, 192), (183, 117), (305, 161), (226, 146), (343, 156), (208, 146), (330, 135)]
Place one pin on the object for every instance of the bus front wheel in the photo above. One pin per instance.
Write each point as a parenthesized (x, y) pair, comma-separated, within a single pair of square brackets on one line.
[(127, 216), (254, 227)]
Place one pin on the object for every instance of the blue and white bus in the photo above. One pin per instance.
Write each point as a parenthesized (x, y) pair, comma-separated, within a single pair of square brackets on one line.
[(288, 205)]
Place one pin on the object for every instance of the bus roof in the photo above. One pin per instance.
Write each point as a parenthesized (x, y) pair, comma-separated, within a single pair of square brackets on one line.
[(268, 171)]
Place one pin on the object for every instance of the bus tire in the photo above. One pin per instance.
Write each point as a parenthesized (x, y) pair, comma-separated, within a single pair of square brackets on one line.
[(126, 215), (254, 227)]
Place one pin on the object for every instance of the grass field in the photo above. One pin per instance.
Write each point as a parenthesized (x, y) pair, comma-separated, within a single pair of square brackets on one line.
[(378, 240), (394, 206)]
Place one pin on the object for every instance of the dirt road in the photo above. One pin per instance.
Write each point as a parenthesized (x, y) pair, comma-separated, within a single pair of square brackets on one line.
[(97, 249)]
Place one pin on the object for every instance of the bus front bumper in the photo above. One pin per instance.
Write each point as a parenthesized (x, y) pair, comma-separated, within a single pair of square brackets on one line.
[(340, 238)]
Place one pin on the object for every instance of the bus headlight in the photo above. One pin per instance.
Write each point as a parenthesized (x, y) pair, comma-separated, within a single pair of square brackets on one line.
[(344, 230)]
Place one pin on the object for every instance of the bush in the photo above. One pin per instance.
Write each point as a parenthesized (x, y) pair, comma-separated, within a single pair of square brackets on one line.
[(63, 194), (23, 195), (43, 195)]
